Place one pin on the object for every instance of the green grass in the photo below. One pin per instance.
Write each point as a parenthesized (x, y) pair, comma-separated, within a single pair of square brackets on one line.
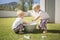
[(6, 32)]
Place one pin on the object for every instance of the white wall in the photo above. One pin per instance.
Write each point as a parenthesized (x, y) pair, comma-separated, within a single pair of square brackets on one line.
[(10, 14), (50, 8), (42, 4), (57, 11), (7, 13), (53, 9)]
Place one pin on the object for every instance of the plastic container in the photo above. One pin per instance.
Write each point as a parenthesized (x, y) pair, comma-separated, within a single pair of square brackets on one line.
[(30, 27)]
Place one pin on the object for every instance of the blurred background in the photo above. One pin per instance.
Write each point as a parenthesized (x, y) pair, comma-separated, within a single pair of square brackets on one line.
[(8, 15), (10, 5), (7, 8)]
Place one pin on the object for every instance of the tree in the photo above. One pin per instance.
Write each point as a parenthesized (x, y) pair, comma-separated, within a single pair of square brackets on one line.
[(26, 7), (30, 4), (22, 4)]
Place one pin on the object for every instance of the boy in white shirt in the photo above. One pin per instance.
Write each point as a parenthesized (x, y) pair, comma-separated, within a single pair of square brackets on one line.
[(36, 13), (18, 23)]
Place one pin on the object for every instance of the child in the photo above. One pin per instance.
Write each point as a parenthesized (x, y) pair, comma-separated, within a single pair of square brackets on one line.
[(36, 13), (18, 23)]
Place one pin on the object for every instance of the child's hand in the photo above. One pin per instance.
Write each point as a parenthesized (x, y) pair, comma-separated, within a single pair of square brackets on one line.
[(24, 22), (33, 20), (36, 18)]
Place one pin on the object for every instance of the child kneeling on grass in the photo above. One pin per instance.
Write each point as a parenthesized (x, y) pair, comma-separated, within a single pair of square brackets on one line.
[(18, 23)]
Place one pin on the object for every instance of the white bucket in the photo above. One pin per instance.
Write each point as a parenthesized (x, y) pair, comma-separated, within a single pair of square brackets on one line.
[(30, 27)]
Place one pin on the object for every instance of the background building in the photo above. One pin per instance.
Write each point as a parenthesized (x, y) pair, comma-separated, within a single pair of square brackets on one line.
[(52, 8)]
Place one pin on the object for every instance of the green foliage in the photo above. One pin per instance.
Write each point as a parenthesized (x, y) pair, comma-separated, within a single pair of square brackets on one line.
[(22, 5), (10, 8)]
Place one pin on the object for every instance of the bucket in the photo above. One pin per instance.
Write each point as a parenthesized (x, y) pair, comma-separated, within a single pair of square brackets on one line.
[(30, 27)]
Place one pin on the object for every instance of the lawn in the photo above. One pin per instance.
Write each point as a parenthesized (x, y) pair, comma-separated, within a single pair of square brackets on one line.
[(6, 32)]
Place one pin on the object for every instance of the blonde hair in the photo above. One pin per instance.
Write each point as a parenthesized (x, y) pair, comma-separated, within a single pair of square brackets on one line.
[(35, 5), (19, 12)]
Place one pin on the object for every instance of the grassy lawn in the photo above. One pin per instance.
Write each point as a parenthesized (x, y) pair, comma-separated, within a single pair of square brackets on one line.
[(6, 32)]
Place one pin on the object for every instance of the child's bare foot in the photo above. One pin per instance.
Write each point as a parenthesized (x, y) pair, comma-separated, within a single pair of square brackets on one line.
[(45, 31)]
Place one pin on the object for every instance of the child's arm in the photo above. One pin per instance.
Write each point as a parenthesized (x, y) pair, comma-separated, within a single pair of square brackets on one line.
[(36, 18), (25, 22)]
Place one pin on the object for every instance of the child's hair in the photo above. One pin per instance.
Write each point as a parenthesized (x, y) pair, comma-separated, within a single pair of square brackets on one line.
[(19, 12), (35, 5)]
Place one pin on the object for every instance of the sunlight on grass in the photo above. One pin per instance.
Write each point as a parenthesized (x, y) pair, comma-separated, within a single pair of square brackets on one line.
[(6, 32)]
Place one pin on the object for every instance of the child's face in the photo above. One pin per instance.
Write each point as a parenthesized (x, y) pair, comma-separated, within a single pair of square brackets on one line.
[(21, 15), (37, 8)]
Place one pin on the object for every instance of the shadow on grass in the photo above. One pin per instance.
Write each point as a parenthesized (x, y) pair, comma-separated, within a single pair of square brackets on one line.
[(34, 32), (53, 31), (40, 31)]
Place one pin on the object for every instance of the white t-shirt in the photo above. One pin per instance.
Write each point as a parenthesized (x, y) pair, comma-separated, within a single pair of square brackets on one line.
[(17, 22), (42, 14)]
